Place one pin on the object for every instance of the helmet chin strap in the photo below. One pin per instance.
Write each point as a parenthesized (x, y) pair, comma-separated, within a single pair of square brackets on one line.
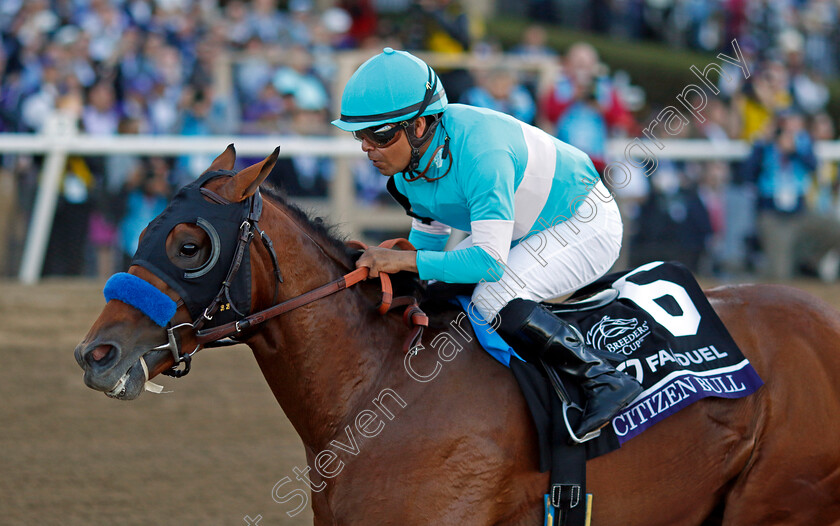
[(410, 173), (417, 143)]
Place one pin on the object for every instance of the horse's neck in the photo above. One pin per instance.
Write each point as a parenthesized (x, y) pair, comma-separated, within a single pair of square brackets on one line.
[(323, 359)]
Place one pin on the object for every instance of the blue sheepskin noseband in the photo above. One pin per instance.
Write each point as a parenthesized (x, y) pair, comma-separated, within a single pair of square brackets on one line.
[(141, 295)]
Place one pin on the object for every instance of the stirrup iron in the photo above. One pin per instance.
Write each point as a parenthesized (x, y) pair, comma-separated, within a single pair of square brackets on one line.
[(557, 384)]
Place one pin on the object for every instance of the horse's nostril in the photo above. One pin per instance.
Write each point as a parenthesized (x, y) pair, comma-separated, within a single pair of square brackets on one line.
[(101, 355)]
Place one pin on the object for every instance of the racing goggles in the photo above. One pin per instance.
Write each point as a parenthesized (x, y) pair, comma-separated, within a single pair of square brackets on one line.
[(380, 136)]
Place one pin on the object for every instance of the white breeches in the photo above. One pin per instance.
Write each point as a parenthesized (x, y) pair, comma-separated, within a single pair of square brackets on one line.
[(557, 261)]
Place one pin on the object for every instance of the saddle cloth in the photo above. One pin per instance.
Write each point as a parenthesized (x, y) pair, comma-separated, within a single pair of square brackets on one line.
[(663, 331)]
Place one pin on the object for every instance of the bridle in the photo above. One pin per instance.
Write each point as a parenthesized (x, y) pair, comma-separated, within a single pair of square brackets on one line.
[(247, 230), (227, 334)]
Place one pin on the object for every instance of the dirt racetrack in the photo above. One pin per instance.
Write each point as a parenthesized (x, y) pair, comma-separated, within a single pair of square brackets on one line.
[(209, 453)]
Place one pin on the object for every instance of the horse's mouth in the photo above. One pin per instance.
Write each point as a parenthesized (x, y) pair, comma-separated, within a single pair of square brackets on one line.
[(128, 386), (131, 384)]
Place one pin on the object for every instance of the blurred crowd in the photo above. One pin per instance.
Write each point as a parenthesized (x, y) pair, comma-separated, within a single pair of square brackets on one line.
[(707, 25), (775, 213), (151, 66)]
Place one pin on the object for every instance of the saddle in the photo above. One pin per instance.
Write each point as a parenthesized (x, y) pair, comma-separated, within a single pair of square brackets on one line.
[(594, 301), (652, 322)]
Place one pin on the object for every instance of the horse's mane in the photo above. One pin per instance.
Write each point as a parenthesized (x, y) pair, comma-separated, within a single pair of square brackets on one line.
[(404, 283), (324, 232)]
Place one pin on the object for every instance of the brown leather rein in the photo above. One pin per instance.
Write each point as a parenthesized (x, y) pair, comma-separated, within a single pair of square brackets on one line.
[(413, 316)]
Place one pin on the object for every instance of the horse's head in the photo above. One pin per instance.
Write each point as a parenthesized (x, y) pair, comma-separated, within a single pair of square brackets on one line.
[(191, 270)]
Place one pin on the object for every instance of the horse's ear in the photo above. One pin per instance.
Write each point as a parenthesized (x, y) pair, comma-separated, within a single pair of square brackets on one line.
[(225, 161), (243, 185)]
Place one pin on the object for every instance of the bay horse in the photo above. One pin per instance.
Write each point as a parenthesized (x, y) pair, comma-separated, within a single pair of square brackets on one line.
[(460, 448)]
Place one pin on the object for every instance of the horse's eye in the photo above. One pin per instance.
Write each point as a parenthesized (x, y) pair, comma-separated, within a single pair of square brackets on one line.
[(189, 247), (189, 250)]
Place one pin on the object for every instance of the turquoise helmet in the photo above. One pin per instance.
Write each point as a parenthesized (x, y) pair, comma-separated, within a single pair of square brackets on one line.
[(393, 86)]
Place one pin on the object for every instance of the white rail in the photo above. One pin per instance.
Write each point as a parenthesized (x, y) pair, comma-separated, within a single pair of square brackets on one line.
[(60, 140)]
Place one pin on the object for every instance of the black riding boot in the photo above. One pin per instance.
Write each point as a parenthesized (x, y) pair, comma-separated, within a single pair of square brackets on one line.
[(537, 334)]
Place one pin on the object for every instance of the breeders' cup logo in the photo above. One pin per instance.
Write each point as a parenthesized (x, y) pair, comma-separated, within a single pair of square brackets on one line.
[(618, 335)]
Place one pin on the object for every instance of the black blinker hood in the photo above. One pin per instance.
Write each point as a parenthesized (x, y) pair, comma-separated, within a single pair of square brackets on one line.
[(198, 287)]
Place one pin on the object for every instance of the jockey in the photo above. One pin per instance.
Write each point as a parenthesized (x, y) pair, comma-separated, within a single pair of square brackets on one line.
[(515, 189)]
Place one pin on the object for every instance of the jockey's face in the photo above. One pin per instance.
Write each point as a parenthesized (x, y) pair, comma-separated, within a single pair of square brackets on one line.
[(393, 158)]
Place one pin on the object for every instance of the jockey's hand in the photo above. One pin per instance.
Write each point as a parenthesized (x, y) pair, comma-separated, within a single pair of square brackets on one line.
[(386, 260)]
